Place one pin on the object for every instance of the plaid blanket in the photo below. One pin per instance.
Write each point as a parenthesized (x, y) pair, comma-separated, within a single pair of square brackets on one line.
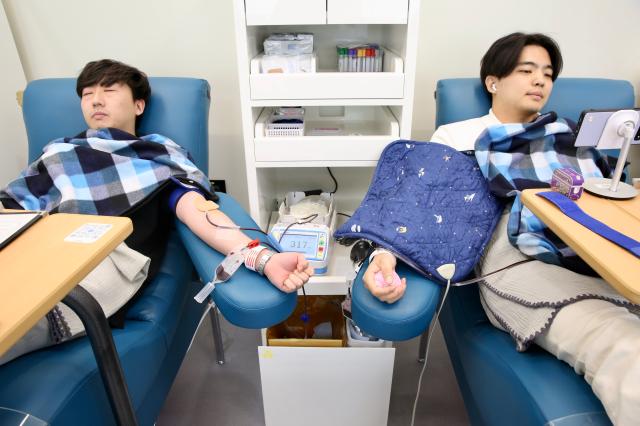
[(104, 172), (514, 157)]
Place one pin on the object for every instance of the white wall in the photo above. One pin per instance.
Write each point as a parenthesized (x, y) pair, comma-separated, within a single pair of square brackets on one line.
[(192, 38), (196, 38), (13, 142), (597, 39)]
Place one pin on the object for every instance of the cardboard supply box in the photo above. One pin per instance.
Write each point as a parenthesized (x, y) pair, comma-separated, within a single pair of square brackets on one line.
[(325, 326)]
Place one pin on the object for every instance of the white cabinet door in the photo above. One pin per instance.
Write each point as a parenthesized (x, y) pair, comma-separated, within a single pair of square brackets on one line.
[(367, 11), (325, 386), (286, 12)]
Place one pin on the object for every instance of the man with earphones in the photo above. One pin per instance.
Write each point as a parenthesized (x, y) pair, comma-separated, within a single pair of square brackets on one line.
[(558, 304)]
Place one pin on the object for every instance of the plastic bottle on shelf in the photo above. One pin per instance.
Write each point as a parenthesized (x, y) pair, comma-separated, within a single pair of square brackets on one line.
[(352, 60), (343, 59), (379, 54)]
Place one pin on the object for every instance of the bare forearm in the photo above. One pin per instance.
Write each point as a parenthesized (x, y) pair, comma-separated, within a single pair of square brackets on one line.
[(287, 271), (223, 240)]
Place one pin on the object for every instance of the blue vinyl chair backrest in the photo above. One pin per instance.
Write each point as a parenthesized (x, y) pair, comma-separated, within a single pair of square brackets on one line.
[(61, 115), (465, 98)]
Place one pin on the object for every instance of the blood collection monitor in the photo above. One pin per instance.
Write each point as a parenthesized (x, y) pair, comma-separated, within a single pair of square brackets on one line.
[(312, 239)]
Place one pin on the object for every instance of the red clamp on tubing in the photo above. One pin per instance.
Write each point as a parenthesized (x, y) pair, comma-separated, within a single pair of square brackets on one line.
[(253, 243)]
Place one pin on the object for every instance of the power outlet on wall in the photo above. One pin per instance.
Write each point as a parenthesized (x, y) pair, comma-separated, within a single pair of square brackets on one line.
[(219, 185)]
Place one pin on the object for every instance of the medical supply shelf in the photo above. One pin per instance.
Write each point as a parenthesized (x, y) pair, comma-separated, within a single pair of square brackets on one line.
[(388, 84), (358, 134), (314, 385), (391, 88)]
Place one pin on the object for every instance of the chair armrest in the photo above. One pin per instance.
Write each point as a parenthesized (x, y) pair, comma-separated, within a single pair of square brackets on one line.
[(402, 320), (247, 299)]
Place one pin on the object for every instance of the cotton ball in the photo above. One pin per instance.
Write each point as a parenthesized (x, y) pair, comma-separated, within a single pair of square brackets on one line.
[(307, 207)]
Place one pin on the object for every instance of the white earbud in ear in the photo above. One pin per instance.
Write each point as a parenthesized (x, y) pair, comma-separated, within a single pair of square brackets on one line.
[(493, 87)]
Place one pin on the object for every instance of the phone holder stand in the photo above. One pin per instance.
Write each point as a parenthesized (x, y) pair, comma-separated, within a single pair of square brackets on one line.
[(617, 133)]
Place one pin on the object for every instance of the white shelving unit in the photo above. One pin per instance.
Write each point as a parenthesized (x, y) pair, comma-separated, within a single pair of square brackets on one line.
[(377, 106), (349, 119)]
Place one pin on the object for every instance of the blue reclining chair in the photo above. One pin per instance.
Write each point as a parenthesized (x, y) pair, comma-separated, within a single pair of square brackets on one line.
[(501, 386), (61, 384)]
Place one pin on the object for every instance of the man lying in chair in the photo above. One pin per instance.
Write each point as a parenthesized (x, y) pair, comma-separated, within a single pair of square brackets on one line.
[(551, 301), (109, 170)]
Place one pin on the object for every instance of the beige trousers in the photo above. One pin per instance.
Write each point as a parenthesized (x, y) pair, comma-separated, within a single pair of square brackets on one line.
[(601, 341)]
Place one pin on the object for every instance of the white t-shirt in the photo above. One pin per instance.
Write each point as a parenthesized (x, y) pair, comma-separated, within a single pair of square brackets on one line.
[(462, 135)]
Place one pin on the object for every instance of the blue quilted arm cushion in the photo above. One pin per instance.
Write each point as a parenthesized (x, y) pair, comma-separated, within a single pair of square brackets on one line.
[(247, 299)]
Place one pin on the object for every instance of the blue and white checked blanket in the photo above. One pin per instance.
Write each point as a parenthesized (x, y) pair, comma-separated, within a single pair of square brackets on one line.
[(514, 157), (104, 172)]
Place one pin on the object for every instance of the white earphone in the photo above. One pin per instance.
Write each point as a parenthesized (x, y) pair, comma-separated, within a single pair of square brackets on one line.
[(493, 87)]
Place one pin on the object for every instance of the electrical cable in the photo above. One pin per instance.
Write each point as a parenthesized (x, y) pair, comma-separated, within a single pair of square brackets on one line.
[(335, 182), (305, 314), (477, 279), (305, 219), (435, 321), (426, 355)]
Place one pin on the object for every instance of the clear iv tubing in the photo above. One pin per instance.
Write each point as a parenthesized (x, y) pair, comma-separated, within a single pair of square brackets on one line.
[(275, 245), (278, 249)]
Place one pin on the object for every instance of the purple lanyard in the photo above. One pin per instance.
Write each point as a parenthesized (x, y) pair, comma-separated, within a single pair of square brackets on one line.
[(571, 209)]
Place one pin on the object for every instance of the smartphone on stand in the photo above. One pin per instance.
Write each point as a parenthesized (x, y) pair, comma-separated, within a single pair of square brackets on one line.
[(592, 123)]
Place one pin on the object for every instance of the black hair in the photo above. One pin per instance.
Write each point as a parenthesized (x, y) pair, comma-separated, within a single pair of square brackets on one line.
[(502, 57), (106, 72)]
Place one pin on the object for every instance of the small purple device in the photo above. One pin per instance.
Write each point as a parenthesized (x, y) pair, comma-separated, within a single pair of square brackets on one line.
[(567, 182)]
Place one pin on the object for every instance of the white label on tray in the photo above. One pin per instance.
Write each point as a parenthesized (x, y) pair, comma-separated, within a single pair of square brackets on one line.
[(88, 233)]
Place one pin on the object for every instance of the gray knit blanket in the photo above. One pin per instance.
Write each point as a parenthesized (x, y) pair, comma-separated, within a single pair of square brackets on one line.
[(524, 300)]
